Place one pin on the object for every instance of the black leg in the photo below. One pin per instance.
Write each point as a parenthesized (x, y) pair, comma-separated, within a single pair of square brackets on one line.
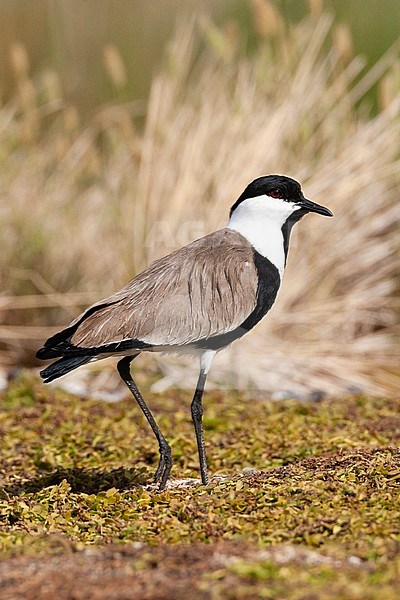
[(165, 462), (197, 415)]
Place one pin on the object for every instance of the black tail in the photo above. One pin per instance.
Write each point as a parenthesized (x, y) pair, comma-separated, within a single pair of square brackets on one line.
[(62, 366)]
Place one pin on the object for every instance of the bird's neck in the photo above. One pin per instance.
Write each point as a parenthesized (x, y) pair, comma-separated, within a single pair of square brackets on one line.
[(269, 237)]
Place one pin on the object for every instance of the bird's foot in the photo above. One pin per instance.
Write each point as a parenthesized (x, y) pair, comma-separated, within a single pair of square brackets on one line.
[(164, 466), (204, 478)]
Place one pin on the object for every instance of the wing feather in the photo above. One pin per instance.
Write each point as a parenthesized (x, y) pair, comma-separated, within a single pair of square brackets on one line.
[(204, 289)]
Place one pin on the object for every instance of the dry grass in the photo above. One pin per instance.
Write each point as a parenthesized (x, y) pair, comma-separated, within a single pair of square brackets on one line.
[(86, 206)]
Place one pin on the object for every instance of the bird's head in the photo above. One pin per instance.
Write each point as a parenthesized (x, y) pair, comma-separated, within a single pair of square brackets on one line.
[(276, 198)]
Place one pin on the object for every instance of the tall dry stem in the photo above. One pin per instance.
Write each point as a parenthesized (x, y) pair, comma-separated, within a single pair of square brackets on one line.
[(104, 200)]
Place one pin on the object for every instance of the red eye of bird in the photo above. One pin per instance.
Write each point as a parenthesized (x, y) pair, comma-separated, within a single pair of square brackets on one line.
[(275, 194)]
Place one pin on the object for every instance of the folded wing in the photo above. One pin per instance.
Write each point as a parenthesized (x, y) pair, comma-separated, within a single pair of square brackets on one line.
[(204, 289)]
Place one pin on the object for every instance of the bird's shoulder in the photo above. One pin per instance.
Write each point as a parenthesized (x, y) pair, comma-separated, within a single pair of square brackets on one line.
[(224, 251), (215, 246)]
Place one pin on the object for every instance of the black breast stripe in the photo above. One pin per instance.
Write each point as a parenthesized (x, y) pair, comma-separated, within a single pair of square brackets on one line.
[(287, 229), (268, 285)]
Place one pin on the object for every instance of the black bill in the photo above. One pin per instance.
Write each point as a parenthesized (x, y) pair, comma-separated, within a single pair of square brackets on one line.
[(314, 207)]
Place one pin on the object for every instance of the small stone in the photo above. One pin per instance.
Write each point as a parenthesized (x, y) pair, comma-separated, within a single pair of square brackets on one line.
[(317, 395)]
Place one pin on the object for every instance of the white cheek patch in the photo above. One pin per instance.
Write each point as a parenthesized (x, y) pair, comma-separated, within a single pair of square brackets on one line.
[(260, 221), (275, 208)]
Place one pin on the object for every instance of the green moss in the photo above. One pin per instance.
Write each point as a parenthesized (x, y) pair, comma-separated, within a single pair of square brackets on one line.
[(326, 475)]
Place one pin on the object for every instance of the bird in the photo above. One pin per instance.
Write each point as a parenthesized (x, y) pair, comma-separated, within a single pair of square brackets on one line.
[(195, 301)]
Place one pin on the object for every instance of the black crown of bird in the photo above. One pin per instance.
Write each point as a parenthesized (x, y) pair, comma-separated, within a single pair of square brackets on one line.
[(196, 300)]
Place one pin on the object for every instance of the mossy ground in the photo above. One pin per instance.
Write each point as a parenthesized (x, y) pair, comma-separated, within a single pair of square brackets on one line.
[(314, 483)]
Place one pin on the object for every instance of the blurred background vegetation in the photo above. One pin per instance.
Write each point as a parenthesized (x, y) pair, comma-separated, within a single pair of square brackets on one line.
[(72, 37), (117, 116)]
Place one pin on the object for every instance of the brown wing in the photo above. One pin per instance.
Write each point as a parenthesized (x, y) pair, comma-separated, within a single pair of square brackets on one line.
[(204, 289)]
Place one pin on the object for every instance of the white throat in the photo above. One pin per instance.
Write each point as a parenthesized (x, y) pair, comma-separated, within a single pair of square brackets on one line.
[(260, 221)]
